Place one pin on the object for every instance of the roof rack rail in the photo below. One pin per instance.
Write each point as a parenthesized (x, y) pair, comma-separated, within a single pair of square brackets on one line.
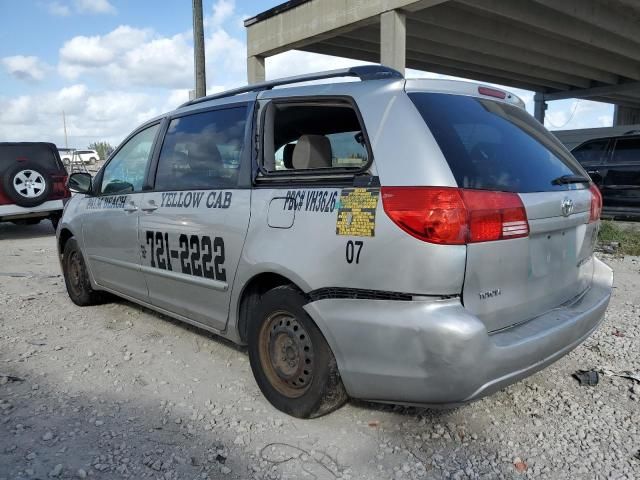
[(363, 72)]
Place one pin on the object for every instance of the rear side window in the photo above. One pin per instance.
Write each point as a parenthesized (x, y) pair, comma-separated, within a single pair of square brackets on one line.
[(627, 151), (309, 136), (202, 150), (495, 146), (591, 153)]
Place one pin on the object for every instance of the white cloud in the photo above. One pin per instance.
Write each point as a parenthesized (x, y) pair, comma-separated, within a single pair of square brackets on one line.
[(296, 62), (58, 9), (90, 115), (572, 114), (223, 10), (94, 6), (129, 56), (25, 68)]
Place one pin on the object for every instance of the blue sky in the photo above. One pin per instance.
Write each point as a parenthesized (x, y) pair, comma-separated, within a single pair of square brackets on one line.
[(112, 64)]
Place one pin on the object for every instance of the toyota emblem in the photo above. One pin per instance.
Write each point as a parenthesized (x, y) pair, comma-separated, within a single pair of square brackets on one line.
[(567, 207)]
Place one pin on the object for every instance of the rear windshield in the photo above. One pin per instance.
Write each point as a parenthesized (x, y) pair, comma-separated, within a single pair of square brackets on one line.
[(41, 154), (495, 146)]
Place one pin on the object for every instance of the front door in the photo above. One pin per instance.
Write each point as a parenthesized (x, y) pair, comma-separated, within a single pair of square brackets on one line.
[(110, 224), (193, 224)]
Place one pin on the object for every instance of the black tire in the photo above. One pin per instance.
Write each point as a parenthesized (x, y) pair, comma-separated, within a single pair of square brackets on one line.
[(22, 196), (76, 277), (55, 219), (302, 380)]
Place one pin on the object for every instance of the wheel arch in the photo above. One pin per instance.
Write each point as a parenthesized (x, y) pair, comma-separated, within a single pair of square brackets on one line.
[(63, 238), (253, 289)]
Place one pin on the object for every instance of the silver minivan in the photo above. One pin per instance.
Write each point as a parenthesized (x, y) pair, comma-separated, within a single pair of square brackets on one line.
[(422, 242)]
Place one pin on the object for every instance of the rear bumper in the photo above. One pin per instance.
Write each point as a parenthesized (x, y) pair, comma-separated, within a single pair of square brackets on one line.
[(8, 212), (437, 352)]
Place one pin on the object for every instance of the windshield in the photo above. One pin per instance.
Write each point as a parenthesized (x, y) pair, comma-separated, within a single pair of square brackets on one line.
[(495, 146)]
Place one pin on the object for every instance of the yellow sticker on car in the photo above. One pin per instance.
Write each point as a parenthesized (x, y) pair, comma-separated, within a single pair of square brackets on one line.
[(357, 212)]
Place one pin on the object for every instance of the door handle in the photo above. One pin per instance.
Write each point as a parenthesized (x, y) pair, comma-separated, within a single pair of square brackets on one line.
[(150, 207), (130, 207)]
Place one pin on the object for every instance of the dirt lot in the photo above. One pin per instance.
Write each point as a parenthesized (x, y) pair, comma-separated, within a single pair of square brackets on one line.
[(117, 391)]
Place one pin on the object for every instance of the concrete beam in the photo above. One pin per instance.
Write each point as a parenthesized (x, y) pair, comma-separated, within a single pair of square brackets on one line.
[(600, 15), (483, 51), (631, 87), (313, 21), (418, 47), (618, 100), (473, 21), (437, 64), (393, 38), (462, 39), (563, 26), (255, 69), (626, 116)]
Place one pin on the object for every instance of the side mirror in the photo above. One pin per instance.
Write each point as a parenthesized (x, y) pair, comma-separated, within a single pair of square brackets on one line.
[(79, 182)]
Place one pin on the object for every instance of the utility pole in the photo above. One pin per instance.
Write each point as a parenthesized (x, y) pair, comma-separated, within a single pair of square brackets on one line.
[(198, 50), (64, 125)]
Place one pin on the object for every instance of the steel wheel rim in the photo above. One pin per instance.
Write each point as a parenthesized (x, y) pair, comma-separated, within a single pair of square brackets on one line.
[(29, 183), (286, 354), (75, 272)]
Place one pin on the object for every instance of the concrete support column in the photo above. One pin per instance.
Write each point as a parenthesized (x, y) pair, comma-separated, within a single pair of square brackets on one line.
[(625, 116), (255, 69), (393, 40), (539, 107)]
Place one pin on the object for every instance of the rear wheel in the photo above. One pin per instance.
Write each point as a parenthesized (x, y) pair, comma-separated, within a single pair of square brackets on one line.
[(290, 359), (76, 277), (27, 184)]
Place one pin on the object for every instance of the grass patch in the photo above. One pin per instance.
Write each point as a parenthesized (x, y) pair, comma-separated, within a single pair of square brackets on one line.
[(629, 239)]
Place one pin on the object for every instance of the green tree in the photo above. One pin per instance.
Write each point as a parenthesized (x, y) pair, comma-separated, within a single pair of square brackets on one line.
[(104, 149)]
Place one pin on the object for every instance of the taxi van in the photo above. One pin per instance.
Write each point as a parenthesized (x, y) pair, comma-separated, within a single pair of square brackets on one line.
[(421, 242)]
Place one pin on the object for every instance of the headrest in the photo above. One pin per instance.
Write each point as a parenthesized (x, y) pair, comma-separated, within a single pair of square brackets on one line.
[(287, 155), (312, 151)]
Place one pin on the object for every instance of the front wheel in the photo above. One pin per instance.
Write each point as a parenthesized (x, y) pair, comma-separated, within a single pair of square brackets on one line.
[(76, 277), (290, 358)]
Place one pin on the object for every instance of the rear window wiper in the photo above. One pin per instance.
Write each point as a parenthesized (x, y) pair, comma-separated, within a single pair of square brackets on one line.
[(566, 179)]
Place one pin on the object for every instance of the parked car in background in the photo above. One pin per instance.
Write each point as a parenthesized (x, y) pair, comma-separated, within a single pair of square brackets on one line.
[(72, 155), (65, 155), (614, 165), (88, 156), (32, 183)]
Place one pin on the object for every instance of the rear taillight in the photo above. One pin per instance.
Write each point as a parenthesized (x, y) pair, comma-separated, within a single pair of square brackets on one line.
[(4, 200), (59, 187), (596, 203), (454, 216)]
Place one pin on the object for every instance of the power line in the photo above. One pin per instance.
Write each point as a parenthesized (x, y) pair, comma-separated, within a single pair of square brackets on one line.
[(575, 108)]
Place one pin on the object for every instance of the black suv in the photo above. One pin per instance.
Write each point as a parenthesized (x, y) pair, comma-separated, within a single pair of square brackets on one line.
[(614, 165), (33, 183)]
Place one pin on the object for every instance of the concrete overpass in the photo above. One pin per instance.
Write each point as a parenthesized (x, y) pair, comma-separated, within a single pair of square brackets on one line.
[(557, 48)]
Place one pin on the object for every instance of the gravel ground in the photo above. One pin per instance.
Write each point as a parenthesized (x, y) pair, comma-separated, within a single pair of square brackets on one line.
[(117, 391)]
